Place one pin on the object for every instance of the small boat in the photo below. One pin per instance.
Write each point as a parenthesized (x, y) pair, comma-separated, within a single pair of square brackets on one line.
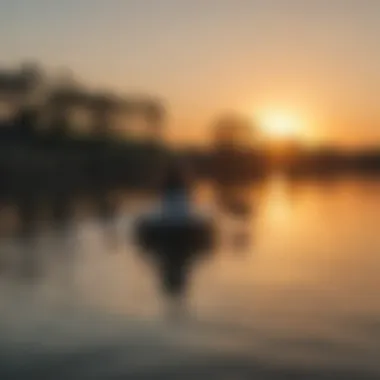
[(175, 226), (175, 235)]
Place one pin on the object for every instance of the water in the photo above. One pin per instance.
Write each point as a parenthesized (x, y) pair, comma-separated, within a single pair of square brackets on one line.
[(291, 292)]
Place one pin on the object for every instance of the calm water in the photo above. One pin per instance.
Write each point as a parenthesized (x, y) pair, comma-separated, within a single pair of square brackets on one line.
[(293, 292)]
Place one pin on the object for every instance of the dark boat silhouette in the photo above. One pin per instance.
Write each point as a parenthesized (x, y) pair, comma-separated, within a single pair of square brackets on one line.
[(175, 234)]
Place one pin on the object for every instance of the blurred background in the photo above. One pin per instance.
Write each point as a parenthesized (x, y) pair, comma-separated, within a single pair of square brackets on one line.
[(189, 189)]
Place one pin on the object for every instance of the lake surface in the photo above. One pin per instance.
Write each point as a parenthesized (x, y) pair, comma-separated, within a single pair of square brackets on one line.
[(292, 292)]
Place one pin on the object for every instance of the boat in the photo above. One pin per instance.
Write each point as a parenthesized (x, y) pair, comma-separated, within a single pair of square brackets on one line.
[(176, 226)]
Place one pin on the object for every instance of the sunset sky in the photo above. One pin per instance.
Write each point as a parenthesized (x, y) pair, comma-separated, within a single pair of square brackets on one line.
[(313, 63)]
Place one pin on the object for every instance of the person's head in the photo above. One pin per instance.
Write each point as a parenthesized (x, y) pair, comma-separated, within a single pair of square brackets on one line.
[(176, 175)]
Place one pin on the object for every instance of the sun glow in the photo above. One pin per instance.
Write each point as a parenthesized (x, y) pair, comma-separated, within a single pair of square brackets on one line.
[(279, 125)]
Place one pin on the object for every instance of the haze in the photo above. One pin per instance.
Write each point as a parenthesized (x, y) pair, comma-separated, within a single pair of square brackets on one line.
[(317, 60)]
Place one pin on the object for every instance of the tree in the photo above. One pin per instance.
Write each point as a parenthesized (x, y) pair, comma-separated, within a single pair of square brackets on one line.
[(154, 113), (233, 155), (103, 107), (26, 122), (233, 131)]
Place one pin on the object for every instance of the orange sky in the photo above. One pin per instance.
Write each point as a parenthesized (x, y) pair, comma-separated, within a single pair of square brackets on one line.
[(317, 60)]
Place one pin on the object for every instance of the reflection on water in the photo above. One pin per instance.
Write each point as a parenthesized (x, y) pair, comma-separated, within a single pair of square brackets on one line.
[(290, 290)]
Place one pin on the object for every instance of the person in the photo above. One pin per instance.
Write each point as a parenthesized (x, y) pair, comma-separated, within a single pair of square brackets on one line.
[(177, 234), (176, 192)]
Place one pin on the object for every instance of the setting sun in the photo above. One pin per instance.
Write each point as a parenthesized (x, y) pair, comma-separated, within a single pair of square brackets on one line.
[(279, 125)]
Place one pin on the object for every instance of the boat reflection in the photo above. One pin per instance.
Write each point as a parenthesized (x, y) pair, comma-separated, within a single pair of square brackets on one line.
[(176, 234)]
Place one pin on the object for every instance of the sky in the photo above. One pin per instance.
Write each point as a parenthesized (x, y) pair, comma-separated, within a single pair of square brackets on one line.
[(316, 61)]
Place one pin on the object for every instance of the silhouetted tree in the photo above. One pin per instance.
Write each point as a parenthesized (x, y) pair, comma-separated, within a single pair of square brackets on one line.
[(233, 131), (103, 108), (233, 155), (155, 113), (26, 123), (59, 105)]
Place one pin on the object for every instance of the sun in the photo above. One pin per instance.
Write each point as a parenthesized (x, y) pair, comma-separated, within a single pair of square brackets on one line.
[(279, 125)]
